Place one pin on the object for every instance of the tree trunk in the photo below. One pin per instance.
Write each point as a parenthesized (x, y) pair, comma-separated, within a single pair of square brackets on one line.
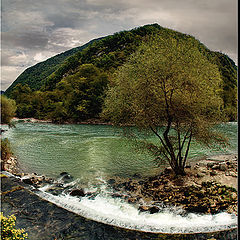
[(179, 171)]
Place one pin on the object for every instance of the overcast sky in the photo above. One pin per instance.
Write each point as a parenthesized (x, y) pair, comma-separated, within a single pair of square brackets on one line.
[(34, 30)]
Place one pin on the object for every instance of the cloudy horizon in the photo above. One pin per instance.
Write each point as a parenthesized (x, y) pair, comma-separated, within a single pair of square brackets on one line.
[(32, 31)]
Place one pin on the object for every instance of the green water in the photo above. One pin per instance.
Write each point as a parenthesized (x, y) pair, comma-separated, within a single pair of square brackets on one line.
[(89, 151)]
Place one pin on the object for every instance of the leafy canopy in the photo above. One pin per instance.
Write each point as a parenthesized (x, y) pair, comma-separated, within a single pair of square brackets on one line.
[(8, 108), (168, 82)]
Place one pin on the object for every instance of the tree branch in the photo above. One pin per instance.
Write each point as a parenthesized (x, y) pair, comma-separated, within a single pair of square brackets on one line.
[(188, 146)]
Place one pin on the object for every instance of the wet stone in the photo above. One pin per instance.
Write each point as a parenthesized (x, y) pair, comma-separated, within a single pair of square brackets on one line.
[(28, 181), (153, 210), (111, 181), (78, 193)]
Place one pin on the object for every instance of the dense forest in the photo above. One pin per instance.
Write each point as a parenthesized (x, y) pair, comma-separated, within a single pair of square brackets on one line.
[(71, 86)]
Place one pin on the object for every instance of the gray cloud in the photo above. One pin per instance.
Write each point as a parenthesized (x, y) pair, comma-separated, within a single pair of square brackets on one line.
[(34, 30)]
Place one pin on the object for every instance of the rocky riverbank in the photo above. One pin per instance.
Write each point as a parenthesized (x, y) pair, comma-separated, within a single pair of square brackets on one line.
[(94, 121), (43, 220), (11, 165), (210, 186)]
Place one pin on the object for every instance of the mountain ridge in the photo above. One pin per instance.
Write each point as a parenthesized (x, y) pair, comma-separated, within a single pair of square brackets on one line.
[(108, 53)]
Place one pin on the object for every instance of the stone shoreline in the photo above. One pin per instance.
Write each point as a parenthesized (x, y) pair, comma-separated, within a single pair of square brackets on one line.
[(43, 220), (87, 122), (208, 187)]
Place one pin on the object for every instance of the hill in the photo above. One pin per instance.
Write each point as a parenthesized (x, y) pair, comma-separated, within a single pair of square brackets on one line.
[(35, 75), (62, 84)]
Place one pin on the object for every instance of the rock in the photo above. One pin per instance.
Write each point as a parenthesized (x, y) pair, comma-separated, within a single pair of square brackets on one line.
[(213, 173), (77, 192), (227, 173), (137, 175), (156, 183), (63, 173), (66, 177), (27, 181), (143, 208), (111, 181), (153, 210), (117, 195), (232, 174), (202, 164), (55, 190), (222, 167), (132, 200), (200, 174), (210, 164), (197, 208), (234, 195), (167, 170), (215, 167)]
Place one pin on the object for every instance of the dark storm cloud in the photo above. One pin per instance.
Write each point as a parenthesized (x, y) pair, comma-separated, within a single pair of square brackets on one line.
[(34, 30)]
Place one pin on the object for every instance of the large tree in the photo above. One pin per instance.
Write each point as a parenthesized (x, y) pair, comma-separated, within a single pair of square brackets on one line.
[(170, 88), (8, 108)]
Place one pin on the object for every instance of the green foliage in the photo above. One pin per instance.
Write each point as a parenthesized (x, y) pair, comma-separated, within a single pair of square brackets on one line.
[(22, 95), (107, 54), (168, 83), (8, 230), (6, 151), (36, 75), (8, 108), (76, 97)]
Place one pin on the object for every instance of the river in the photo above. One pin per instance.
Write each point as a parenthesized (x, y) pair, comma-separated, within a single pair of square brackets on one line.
[(90, 151), (94, 153)]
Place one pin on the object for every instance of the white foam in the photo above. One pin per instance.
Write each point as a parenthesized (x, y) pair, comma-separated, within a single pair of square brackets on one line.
[(117, 212)]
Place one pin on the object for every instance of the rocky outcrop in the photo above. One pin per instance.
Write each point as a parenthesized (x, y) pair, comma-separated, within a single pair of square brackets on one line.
[(202, 190), (10, 165)]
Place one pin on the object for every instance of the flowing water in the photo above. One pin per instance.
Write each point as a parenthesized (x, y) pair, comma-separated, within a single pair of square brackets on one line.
[(94, 153)]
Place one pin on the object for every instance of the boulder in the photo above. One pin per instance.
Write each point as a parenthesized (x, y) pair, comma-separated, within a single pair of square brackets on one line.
[(197, 208), (27, 181), (78, 193), (63, 173), (153, 210)]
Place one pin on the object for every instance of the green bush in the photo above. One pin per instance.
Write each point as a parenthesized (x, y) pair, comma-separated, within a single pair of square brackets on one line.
[(8, 230), (8, 108), (6, 152)]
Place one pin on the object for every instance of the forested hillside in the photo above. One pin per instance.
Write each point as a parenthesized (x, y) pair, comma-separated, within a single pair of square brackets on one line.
[(71, 86), (35, 75)]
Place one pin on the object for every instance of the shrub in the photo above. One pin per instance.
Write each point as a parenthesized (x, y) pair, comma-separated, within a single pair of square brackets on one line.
[(8, 108), (6, 152), (8, 230)]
